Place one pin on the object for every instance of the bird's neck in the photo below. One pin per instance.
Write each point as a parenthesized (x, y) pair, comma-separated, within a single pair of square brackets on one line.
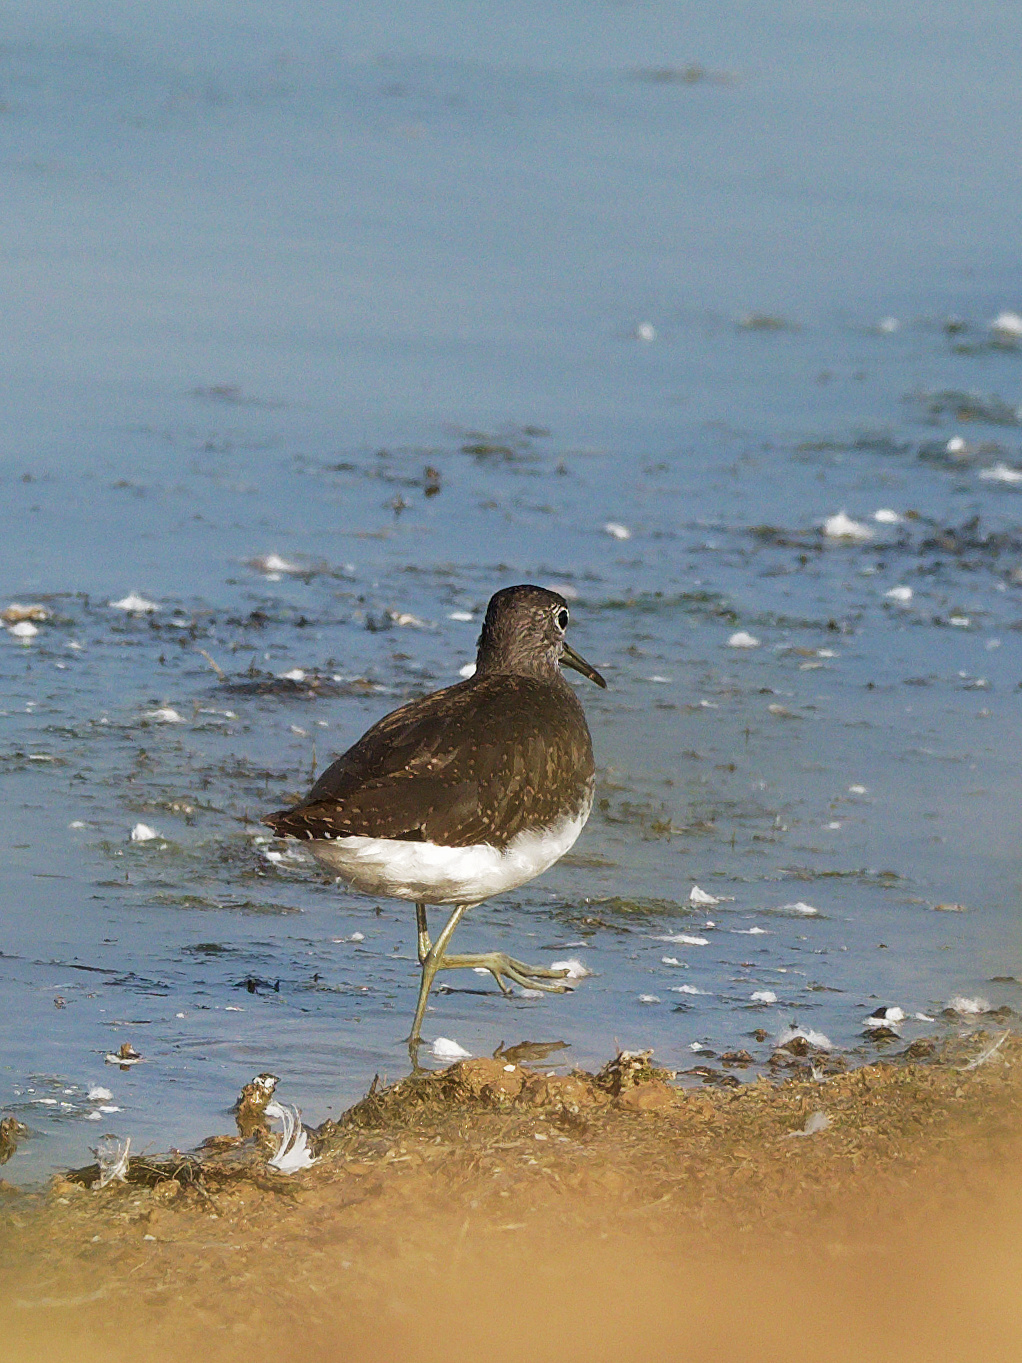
[(494, 657)]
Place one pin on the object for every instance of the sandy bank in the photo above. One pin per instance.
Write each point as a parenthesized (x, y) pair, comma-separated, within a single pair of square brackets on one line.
[(493, 1210)]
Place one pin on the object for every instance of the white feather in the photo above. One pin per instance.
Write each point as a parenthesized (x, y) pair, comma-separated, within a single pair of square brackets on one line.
[(112, 1158), (984, 1056), (444, 1048), (814, 1124), (293, 1153)]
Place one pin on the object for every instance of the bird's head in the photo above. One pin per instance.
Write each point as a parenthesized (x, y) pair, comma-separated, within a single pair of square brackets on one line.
[(523, 632)]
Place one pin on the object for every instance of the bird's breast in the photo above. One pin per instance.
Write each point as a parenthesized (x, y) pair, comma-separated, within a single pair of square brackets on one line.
[(429, 873)]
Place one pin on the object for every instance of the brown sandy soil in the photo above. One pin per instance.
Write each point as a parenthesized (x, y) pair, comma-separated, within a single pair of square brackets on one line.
[(491, 1211)]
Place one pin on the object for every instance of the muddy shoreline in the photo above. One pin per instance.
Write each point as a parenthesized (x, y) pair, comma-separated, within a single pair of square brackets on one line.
[(466, 1195)]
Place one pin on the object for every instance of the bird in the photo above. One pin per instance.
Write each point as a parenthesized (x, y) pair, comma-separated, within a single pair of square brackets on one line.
[(465, 793)]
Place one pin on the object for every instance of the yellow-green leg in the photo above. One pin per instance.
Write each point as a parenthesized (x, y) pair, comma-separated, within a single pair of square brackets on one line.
[(430, 957), (501, 966)]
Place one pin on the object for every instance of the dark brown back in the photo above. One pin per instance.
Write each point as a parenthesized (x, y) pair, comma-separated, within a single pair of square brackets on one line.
[(476, 763)]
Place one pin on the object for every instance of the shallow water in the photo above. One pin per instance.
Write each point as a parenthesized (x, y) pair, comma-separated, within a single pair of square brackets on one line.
[(258, 281)]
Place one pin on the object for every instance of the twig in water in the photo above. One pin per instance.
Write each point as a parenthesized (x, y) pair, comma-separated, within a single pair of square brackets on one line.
[(221, 674)]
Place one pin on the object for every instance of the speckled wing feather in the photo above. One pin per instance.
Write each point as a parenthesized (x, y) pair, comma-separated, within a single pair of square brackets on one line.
[(476, 763)]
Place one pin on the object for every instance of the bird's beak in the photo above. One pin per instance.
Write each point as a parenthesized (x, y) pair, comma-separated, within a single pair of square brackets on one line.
[(569, 658)]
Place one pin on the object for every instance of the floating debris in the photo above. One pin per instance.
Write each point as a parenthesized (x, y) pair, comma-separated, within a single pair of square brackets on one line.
[(126, 1056), (134, 604), (513, 446), (972, 406), (1001, 473), (765, 321), (273, 566), (232, 395), (617, 531), (842, 527), (950, 908), (742, 639), (886, 516), (143, 833), (690, 989), (698, 896), (693, 74), (804, 910), (405, 619), (1007, 326), (650, 998), (444, 1048), (100, 1112), (574, 969), (98, 1094), (887, 326), (16, 614), (684, 939), (221, 674), (164, 715), (645, 331), (764, 996), (253, 984), (901, 594)]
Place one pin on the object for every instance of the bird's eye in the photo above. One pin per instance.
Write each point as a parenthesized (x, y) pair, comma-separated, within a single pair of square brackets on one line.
[(562, 619)]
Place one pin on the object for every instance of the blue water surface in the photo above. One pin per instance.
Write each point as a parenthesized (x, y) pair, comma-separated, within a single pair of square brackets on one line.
[(703, 275)]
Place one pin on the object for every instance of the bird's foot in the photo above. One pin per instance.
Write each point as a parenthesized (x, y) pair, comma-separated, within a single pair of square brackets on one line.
[(503, 967)]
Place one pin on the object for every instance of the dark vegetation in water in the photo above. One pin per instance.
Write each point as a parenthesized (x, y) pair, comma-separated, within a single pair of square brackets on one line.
[(311, 687), (970, 407)]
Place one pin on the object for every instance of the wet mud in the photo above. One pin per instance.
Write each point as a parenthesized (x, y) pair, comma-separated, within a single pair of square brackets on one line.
[(564, 1216)]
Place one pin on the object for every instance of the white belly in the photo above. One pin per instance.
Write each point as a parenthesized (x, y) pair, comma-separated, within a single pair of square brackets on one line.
[(430, 874)]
